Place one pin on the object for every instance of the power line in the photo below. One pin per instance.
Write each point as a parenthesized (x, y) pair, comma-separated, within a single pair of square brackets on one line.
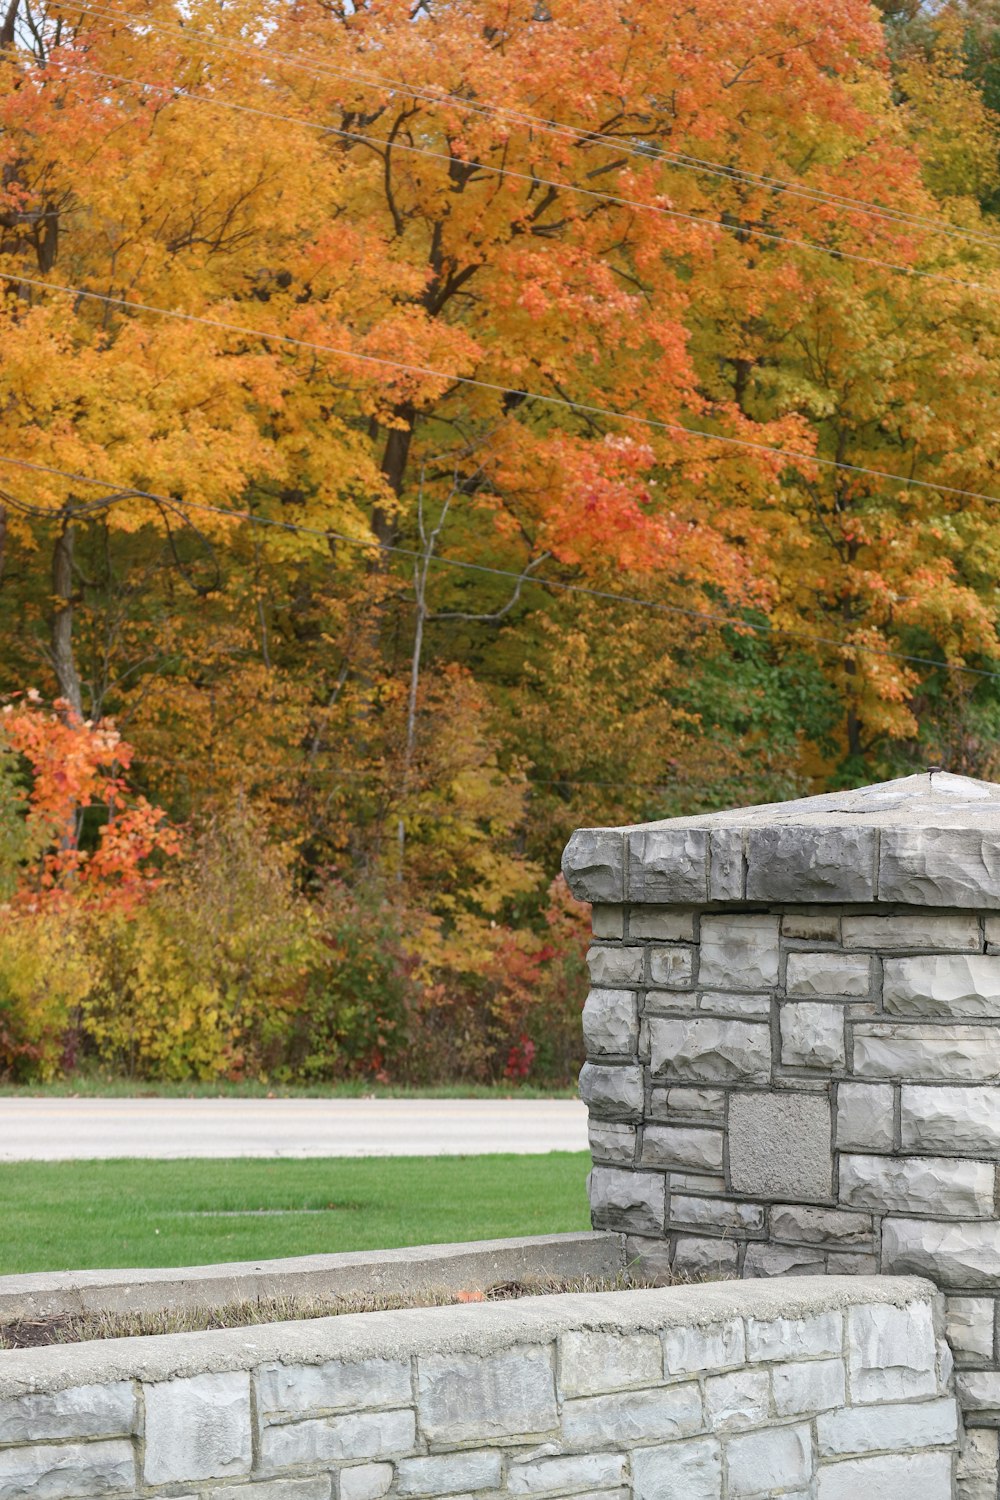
[(318, 68), (327, 534)]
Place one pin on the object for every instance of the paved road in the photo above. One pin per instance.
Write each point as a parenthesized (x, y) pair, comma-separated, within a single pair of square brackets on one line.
[(68, 1129)]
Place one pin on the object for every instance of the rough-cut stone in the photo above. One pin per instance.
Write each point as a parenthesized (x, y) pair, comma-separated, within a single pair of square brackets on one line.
[(612, 1143), (615, 968), (923, 1051), (865, 1116), (614, 1091), (591, 1363), (739, 1400), (924, 933), (706, 1104), (744, 1007), (628, 1200), (979, 1391), (939, 867), (448, 1473), (568, 1475), (66, 1471), (721, 1214), (812, 1385), (739, 952), (812, 1035), (815, 926), (710, 1051), (963, 1256), (81, 1411), (950, 1119), (870, 1429), (611, 1022), (725, 868), (362, 1482), (473, 1397), (811, 864), (691, 1350), (634, 1417), (764, 1260), (817, 976), (649, 1259), (607, 921), (326, 1440), (978, 1466), (938, 1185), (197, 1427), (796, 1224), (763, 1463), (820, 1336), (892, 1476), (294, 1390), (668, 865), (969, 1322), (779, 1146), (671, 968), (954, 984), (681, 1146), (713, 1258), (692, 1470), (315, 1488), (594, 865), (691, 1182), (891, 1353), (664, 924)]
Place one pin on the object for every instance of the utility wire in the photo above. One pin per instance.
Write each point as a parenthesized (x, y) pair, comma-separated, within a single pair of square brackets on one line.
[(462, 564), (318, 68)]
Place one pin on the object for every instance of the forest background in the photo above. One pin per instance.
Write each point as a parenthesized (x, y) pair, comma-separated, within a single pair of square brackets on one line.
[(354, 543)]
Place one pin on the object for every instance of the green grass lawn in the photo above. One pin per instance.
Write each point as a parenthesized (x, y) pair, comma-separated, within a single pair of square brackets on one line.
[(79, 1215)]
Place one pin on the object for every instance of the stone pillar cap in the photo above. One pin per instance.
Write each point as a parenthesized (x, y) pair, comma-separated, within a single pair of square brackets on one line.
[(926, 840)]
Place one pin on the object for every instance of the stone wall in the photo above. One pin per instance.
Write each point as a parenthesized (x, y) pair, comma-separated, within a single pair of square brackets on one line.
[(833, 1389)]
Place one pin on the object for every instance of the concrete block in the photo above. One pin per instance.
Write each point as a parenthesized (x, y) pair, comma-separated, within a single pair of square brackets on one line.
[(449, 1473), (594, 866), (689, 1351), (197, 1427), (940, 1185), (462, 1398), (926, 933), (865, 1114), (691, 1469), (361, 1482), (924, 1052), (80, 1411), (812, 1035), (565, 1476), (955, 984), (671, 968), (964, 1256), (613, 1090), (780, 1146), (298, 1390), (927, 866), (615, 968), (664, 924), (898, 1427), (775, 1459), (891, 1353), (619, 1420), (591, 1363), (950, 1119), (611, 1022), (316, 1441), (894, 1476), (737, 1401), (704, 1050), (808, 1386), (686, 1146), (67, 1471), (969, 1322), (820, 1336), (668, 866), (628, 1200), (739, 952)]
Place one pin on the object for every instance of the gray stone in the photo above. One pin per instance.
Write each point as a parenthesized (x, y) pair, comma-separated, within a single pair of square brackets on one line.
[(615, 968), (628, 1200), (955, 984), (811, 926), (950, 1119), (692, 1470), (969, 1322), (611, 1022), (682, 1146), (812, 1035), (938, 1185), (851, 1263), (671, 968), (738, 1400), (670, 1003), (362, 1482), (701, 1104), (566, 1475), (739, 952), (67, 1471), (594, 865), (666, 924), (463, 1398), (901, 1428), (295, 1390), (926, 933), (668, 865), (891, 1353), (315, 1488), (979, 1391), (197, 1427), (761, 1463), (448, 1473), (325, 1440), (705, 1259), (978, 1467), (811, 864), (691, 1182), (81, 1411), (621, 1419), (963, 1256), (939, 867), (764, 1260), (691, 1350), (779, 1146), (649, 1259), (893, 1476), (591, 1363), (808, 1386), (746, 1007), (608, 921), (725, 865), (721, 1214), (819, 1336), (865, 1116), (615, 1091), (797, 1224), (704, 1050), (816, 976), (925, 1052), (612, 1143)]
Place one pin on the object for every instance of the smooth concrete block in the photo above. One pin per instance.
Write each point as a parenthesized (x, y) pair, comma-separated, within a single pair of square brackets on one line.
[(779, 1146), (197, 1427), (668, 865), (789, 863), (473, 1398)]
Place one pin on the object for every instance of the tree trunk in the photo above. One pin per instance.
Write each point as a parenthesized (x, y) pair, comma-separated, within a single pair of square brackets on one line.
[(63, 660)]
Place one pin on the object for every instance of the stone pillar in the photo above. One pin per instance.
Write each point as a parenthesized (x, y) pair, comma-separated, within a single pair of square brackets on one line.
[(793, 1044)]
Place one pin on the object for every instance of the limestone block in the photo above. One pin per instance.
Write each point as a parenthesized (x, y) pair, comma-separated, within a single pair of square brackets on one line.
[(692, 1469), (763, 1260), (940, 1185), (891, 1353), (892, 1476), (81, 1411), (665, 924), (476, 1397), (294, 1390), (789, 863), (797, 1224), (361, 1482), (697, 1104), (851, 1263), (925, 933), (682, 1146), (627, 1200), (818, 1336), (739, 1400), (557, 1475), (720, 1215), (612, 1143), (668, 865), (709, 1259), (611, 1022), (779, 1146), (865, 1116), (725, 865), (954, 984), (969, 1322), (66, 1471), (897, 1427), (963, 1256), (762, 1463), (197, 1427), (615, 1091), (739, 952), (607, 921), (671, 968), (315, 1488), (689, 1351), (326, 1440), (670, 1003), (925, 1052), (950, 1119), (815, 976), (978, 1466), (690, 1182), (811, 926), (594, 865), (621, 1419), (808, 1386), (591, 1363), (448, 1473), (615, 968), (649, 1259), (724, 1003), (927, 866), (979, 1391), (812, 1035), (710, 1051)]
